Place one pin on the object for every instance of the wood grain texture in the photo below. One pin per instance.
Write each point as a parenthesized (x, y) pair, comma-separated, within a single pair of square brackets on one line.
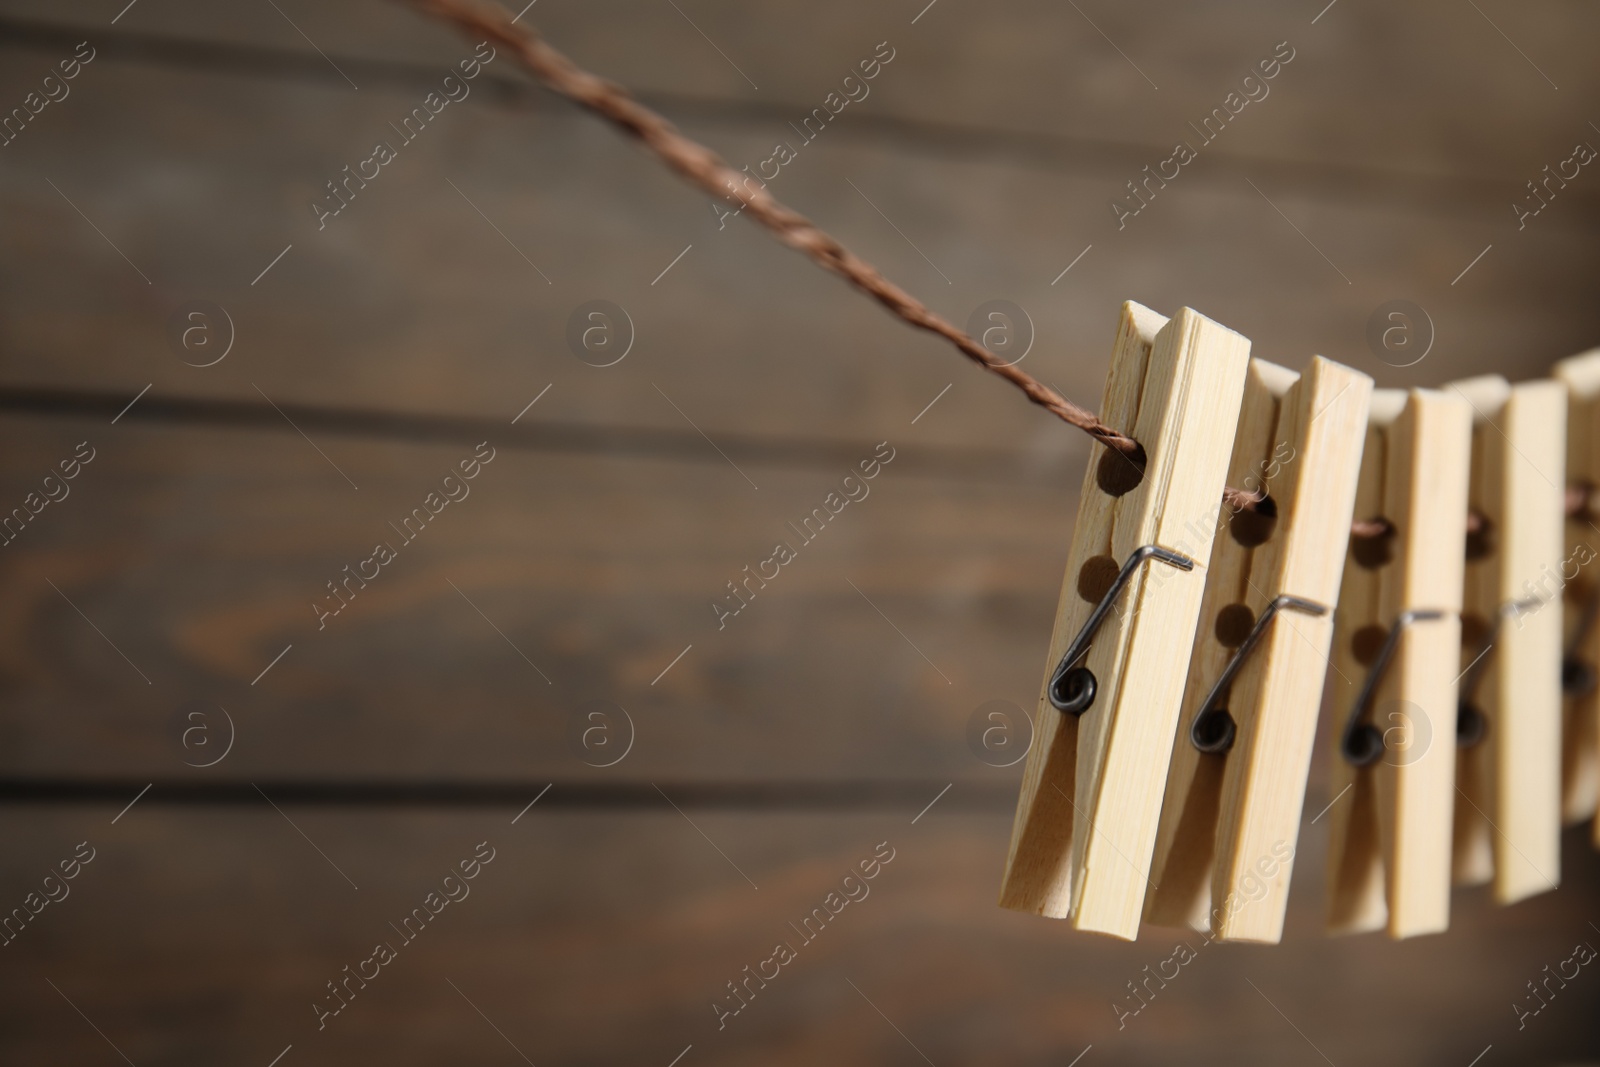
[(1472, 852), (1323, 416), (199, 554), (1262, 785), (430, 308), (1188, 395), (201, 936), (946, 66), (1355, 887), (1038, 875), (1507, 817), (1181, 865), (1580, 726), (1388, 154), (1425, 495), (1187, 417)]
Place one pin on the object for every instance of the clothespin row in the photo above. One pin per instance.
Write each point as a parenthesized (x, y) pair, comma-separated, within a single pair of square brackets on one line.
[(1193, 641)]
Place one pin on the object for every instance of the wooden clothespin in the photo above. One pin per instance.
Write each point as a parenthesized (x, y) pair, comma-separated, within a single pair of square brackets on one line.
[(1397, 642), (1508, 730), (1086, 819), (1249, 717), (1580, 742)]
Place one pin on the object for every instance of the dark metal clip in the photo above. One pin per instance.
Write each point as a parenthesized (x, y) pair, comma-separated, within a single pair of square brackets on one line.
[(1072, 689), (1213, 729), (1471, 723), (1362, 743), (1578, 675)]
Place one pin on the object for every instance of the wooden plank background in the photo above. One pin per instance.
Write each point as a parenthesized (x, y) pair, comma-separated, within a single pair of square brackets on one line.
[(827, 714)]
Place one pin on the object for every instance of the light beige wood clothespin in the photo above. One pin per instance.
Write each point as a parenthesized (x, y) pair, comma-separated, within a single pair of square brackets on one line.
[(1580, 742), (1397, 639), (1508, 730), (1231, 815), (1086, 818)]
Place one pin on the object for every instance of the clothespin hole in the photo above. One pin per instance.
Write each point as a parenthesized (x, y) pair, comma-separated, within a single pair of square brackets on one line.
[(1233, 625), (1366, 642), (1252, 528), (1577, 500), (1095, 578), (1120, 473), (1372, 542), (1480, 536), (1474, 630), (1471, 725), (1577, 677), (1363, 745)]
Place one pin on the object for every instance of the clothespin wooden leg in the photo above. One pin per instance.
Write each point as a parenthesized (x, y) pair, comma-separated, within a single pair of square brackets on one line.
[(1400, 732), (1355, 859), (1580, 744), (1086, 817), (1473, 847), (1508, 770), (1180, 874), (1231, 814)]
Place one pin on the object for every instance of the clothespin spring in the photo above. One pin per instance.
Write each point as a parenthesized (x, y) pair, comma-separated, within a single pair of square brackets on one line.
[(1072, 688), (1362, 743), (1471, 723), (1213, 729), (1578, 675)]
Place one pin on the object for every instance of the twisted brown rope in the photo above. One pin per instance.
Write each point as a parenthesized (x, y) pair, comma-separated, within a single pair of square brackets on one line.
[(706, 169)]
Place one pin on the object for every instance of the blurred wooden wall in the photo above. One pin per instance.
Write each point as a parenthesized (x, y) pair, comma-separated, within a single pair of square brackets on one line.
[(372, 357)]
